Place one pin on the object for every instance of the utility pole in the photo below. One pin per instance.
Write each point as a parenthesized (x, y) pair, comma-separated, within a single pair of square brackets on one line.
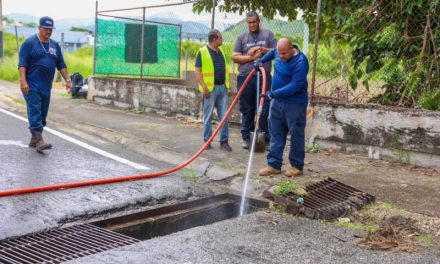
[(1, 31), (214, 3)]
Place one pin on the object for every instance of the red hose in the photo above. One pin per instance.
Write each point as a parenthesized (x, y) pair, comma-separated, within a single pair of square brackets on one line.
[(149, 175)]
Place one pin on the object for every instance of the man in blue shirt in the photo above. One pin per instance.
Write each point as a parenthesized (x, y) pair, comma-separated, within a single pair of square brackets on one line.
[(38, 58), (288, 107)]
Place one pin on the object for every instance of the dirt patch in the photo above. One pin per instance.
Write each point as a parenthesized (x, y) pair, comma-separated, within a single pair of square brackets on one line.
[(396, 229)]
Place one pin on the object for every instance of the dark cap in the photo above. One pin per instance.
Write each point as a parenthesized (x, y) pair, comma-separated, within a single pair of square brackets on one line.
[(46, 22)]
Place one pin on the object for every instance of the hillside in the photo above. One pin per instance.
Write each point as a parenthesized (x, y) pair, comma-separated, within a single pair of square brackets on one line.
[(280, 28)]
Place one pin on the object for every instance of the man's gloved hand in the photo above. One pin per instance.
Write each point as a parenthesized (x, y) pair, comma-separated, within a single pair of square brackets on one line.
[(269, 95), (257, 65)]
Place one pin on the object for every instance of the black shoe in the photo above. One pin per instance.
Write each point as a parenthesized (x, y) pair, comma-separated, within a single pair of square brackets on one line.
[(209, 146), (245, 144), (225, 146)]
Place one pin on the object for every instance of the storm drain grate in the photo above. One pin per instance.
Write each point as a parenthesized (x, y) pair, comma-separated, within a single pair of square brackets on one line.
[(60, 245), (326, 199)]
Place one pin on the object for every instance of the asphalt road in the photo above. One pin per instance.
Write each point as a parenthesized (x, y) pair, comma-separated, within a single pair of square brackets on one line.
[(22, 167)]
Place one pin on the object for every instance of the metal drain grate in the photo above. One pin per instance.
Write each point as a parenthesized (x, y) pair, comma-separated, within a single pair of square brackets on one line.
[(326, 199), (60, 245)]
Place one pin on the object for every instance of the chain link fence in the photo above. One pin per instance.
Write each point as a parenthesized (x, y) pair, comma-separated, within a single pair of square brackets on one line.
[(364, 58)]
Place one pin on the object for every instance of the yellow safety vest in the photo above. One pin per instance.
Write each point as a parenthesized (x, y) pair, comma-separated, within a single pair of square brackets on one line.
[(208, 69)]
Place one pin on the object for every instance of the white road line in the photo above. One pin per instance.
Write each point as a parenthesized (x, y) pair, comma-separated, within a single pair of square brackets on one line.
[(82, 144)]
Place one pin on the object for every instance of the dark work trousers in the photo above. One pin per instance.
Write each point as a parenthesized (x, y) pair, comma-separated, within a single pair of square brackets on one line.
[(37, 109), (248, 107), (287, 118)]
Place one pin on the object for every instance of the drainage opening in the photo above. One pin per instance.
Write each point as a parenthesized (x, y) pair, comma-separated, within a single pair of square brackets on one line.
[(169, 219), (68, 243)]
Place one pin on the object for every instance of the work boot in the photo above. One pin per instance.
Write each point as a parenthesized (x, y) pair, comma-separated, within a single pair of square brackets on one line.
[(292, 172), (268, 171), (245, 144), (34, 140), (225, 146), (41, 145)]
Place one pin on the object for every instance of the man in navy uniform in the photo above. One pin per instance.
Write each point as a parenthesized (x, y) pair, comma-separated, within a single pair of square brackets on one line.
[(38, 58)]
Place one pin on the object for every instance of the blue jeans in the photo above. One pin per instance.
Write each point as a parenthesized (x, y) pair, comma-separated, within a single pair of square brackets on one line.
[(218, 99), (287, 118), (37, 108), (248, 107)]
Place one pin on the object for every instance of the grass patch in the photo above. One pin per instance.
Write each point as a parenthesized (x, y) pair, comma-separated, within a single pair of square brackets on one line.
[(9, 68), (357, 167), (145, 126), (285, 187), (16, 100), (276, 207), (224, 165), (190, 175), (426, 239), (315, 148), (65, 95), (355, 226)]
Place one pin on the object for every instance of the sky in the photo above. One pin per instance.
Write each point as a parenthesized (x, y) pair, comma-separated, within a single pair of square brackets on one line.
[(61, 9)]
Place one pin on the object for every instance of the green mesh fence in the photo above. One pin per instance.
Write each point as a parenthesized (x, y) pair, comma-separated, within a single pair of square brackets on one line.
[(118, 49)]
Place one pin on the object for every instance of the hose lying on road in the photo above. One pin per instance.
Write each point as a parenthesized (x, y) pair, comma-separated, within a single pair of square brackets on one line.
[(148, 175)]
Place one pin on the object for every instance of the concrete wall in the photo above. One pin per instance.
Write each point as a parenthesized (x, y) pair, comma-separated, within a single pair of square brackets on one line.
[(161, 96), (411, 135)]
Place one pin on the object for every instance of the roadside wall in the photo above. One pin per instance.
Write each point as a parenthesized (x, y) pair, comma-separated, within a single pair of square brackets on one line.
[(166, 97), (410, 135)]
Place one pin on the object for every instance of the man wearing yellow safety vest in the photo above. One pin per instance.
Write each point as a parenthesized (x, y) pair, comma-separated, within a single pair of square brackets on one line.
[(213, 78)]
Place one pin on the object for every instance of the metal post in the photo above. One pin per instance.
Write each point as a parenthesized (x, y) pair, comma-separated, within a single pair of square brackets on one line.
[(95, 38), (1, 31), (214, 3), (186, 62), (315, 48), (63, 48), (142, 42), (16, 36), (180, 51)]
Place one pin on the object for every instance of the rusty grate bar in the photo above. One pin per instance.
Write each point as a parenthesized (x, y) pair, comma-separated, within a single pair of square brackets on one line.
[(327, 199), (60, 245)]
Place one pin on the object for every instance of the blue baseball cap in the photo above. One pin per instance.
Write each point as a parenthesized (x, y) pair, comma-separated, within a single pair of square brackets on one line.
[(46, 22)]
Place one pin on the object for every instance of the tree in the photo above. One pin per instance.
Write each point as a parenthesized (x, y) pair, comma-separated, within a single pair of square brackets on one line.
[(399, 37)]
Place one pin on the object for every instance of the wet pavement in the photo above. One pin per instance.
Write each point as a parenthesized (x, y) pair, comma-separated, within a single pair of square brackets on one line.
[(23, 167), (159, 143)]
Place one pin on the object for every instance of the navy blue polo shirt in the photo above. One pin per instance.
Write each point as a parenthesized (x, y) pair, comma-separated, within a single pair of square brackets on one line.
[(219, 65), (40, 60)]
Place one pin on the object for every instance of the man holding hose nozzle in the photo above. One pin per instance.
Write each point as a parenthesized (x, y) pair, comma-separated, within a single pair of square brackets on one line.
[(288, 107), (249, 47)]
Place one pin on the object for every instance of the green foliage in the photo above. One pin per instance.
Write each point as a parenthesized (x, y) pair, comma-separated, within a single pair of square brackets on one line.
[(430, 100), (8, 20), (29, 24), (426, 239), (315, 148), (286, 187), (403, 36), (10, 44), (9, 68), (79, 29), (80, 61), (348, 225)]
